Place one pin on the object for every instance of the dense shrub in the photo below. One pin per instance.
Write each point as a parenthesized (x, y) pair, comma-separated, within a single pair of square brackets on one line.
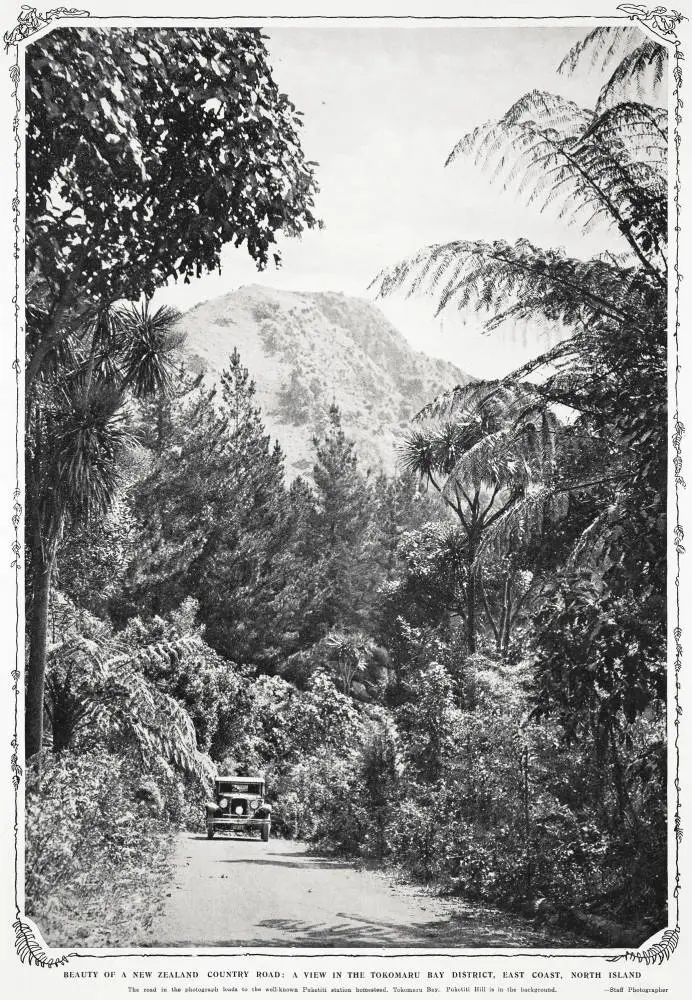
[(318, 800), (95, 809), (462, 788), (97, 832)]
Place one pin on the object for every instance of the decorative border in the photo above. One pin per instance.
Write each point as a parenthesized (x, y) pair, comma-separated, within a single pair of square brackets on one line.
[(662, 24), (29, 21)]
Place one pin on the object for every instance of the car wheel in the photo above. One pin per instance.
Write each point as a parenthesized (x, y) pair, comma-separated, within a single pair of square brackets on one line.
[(265, 832), (210, 834)]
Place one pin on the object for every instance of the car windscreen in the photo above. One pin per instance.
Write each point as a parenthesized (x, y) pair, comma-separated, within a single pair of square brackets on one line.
[(239, 788)]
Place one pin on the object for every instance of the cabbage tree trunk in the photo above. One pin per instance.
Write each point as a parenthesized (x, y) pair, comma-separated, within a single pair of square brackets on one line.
[(37, 631)]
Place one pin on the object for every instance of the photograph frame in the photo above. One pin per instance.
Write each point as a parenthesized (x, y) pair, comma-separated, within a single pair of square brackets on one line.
[(30, 950)]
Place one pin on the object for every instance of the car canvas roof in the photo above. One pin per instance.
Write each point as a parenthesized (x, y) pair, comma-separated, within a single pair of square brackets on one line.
[(245, 778)]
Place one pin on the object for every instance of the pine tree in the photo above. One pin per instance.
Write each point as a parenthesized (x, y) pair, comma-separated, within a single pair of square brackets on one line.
[(341, 534), (214, 522)]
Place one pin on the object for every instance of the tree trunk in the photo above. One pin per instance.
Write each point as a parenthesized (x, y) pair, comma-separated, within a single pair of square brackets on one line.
[(471, 616), (37, 627), (527, 820), (471, 601), (488, 613), (63, 714), (507, 624), (623, 796)]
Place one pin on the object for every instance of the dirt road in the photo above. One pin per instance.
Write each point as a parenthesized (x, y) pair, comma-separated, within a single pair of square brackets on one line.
[(244, 893)]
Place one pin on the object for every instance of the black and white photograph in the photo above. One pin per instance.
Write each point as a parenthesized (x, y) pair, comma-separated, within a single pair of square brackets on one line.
[(345, 490)]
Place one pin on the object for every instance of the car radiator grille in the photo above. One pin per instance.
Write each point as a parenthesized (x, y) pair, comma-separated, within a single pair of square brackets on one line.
[(234, 805)]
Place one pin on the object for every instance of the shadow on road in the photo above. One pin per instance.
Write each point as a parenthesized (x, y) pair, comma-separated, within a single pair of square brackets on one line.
[(465, 931), (454, 932), (291, 922), (308, 861)]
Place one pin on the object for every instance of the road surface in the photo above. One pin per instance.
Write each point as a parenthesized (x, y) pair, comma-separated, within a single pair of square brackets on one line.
[(231, 893)]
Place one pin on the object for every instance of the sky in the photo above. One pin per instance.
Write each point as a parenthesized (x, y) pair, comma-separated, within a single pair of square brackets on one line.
[(383, 106)]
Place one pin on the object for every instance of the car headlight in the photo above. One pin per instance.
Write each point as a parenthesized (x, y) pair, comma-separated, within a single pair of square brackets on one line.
[(223, 803), (239, 810), (255, 803)]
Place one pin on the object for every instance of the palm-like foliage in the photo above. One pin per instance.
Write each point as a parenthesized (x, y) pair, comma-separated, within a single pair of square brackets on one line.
[(349, 652), (482, 447), (76, 433), (78, 411), (89, 433), (146, 343)]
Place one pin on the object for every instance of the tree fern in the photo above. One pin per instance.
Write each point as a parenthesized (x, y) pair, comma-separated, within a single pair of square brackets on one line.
[(513, 439), (600, 48), (608, 166), (555, 154), (522, 281), (634, 60), (523, 521)]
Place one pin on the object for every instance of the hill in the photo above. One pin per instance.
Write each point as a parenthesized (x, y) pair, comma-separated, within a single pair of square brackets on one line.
[(306, 350)]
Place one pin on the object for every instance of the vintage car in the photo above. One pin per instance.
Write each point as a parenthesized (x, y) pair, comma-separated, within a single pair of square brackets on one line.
[(239, 805)]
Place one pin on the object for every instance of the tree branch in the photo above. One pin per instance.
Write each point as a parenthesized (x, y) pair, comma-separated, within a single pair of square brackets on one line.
[(55, 334), (486, 606)]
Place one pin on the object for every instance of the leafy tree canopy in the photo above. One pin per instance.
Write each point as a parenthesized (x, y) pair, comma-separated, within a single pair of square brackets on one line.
[(148, 150)]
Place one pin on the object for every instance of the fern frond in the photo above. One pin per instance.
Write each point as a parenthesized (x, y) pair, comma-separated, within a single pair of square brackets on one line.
[(536, 109), (487, 399), (635, 61), (553, 153), (31, 952), (659, 951), (599, 48), (520, 452), (117, 697), (642, 69), (491, 461), (156, 720), (631, 142), (547, 284), (524, 520)]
